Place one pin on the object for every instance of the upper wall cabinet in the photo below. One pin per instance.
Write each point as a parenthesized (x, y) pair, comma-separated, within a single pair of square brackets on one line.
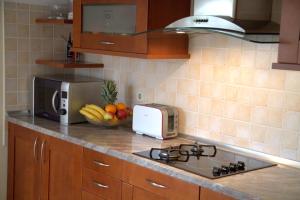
[(289, 47), (106, 27)]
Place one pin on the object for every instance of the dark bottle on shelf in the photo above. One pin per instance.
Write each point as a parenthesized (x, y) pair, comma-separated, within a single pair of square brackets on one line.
[(70, 53)]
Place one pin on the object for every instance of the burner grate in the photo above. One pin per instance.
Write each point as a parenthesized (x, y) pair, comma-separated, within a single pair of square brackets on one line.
[(204, 160), (183, 152), (169, 154)]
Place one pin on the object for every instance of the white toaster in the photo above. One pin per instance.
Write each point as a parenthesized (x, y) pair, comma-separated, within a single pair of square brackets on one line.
[(155, 120)]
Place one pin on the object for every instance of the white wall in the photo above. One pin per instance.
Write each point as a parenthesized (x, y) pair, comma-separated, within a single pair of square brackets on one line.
[(3, 149)]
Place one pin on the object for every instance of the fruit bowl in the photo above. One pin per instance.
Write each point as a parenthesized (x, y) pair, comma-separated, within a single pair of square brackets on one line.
[(110, 123), (110, 116)]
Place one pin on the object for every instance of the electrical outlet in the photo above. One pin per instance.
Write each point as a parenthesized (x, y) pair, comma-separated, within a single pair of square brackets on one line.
[(139, 96)]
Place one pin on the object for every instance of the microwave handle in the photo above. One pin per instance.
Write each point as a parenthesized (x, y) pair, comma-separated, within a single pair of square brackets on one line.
[(53, 100)]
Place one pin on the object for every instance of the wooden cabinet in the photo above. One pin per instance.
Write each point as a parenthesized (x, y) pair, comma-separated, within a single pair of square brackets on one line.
[(207, 194), (139, 193), (158, 184), (289, 47), (23, 164), (102, 185), (42, 167), (99, 27), (101, 176), (102, 163), (61, 170)]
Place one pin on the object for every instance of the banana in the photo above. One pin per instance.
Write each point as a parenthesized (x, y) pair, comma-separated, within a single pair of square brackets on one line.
[(97, 108), (88, 115), (93, 112)]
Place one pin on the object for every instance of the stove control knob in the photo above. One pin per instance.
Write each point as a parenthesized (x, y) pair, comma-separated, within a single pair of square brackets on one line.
[(233, 167), (217, 171), (241, 165), (225, 169)]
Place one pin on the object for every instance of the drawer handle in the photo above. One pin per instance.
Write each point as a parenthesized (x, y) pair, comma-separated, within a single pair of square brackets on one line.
[(106, 43), (100, 185), (155, 184), (100, 164)]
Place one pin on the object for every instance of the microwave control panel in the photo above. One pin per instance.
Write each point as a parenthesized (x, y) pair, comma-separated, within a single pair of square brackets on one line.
[(64, 107)]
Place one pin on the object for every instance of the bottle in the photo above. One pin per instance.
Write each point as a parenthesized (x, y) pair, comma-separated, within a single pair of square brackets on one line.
[(69, 47)]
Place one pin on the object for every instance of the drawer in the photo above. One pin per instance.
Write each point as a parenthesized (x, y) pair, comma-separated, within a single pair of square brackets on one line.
[(207, 194), (142, 194), (89, 196), (159, 184), (101, 185), (102, 163), (137, 44)]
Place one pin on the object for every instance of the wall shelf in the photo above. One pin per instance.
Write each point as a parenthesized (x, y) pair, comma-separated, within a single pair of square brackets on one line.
[(68, 64), (53, 21), (286, 66), (133, 55)]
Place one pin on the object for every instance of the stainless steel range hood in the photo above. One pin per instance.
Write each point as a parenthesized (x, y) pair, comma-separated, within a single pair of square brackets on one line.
[(252, 20)]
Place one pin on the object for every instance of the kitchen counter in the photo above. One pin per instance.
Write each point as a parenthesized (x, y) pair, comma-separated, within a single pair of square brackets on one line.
[(280, 182)]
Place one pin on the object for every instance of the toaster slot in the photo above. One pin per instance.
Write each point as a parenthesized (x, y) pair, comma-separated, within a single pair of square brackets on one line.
[(171, 124)]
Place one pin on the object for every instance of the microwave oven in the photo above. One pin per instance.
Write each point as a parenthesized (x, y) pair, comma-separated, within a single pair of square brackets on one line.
[(60, 97)]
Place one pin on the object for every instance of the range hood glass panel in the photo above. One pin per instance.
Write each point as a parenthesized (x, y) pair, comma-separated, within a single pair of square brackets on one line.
[(211, 24), (256, 38)]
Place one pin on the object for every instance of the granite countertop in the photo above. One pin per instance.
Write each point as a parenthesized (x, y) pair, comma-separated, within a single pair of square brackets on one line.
[(280, 182)]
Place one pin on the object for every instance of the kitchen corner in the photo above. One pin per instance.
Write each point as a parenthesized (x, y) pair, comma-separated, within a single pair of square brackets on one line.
[(122, 142), (150, 100)]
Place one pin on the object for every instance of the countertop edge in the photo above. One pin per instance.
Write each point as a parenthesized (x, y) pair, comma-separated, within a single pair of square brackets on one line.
[(167, 170)]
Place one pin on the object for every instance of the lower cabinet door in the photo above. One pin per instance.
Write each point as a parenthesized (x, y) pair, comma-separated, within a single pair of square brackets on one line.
[(61, 170), (140, 194), (23, 164), (89, 196), (207, 194)]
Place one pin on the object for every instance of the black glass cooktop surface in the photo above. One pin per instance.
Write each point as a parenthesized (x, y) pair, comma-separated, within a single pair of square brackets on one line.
[(205, 160)]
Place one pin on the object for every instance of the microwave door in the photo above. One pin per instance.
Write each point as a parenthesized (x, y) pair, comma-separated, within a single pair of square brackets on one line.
[(47, 98)]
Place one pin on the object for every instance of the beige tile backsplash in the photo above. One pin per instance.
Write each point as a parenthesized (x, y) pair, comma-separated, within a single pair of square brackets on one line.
[(26, 41), (227, 92)]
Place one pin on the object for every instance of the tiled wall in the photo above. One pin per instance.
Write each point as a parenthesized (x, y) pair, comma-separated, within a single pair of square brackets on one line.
[(26, 41), (226, 92)]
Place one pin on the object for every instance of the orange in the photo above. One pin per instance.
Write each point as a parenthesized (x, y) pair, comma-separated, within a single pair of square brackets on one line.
[(111, 108), (121, 106)]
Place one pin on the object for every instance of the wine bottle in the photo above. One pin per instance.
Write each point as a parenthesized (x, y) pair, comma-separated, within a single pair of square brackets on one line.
[(69, 47)]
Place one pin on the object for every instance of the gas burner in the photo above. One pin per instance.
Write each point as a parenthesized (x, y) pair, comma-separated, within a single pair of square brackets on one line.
[(169, 154), (204, 160), (198, 150)]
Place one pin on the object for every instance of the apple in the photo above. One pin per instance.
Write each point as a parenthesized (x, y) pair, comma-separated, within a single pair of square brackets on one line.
[(108, 116), (121, 114)]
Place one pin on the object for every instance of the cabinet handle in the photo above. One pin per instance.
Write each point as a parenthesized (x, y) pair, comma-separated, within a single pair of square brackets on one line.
[(43, 151), (34, 149), (101, 164), (152, 183), (106, 43), (53, 101), (100, 185)]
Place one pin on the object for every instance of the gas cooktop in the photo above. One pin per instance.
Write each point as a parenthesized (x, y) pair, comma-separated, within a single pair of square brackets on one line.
[(204, 160)]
